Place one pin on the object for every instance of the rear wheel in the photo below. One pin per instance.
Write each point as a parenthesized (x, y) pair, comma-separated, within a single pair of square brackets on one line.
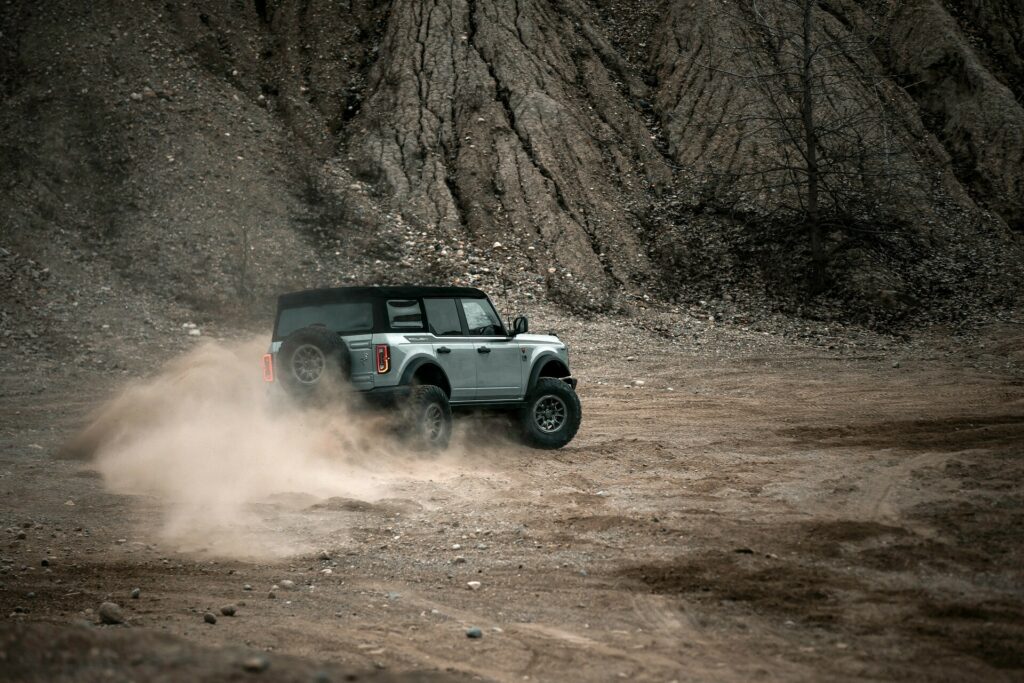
[(552, 414), (427, 418)]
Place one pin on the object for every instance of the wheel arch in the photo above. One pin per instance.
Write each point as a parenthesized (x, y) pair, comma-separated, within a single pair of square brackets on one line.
[(425, 371), (547, 365)]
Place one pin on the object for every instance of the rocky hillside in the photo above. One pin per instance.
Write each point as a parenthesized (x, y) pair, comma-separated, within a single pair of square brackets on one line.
[(168, 161)]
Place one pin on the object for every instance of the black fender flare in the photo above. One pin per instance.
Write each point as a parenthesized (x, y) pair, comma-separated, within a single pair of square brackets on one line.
[(415, 365), (538, 365)]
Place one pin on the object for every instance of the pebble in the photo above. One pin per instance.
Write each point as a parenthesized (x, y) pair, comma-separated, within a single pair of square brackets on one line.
[(228, 610), (110, 613), (287, 584), (324, 555), (247, 587), (638, 383), (459, 560), (456, 546), (256, 664), (136, 593), (473, 585), (209, 618), (474, 632)]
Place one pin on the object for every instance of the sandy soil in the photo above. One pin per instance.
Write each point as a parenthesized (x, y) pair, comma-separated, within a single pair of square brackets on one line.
[(784, 512)]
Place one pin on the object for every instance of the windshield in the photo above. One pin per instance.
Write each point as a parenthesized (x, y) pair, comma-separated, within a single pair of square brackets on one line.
[(348, 317)]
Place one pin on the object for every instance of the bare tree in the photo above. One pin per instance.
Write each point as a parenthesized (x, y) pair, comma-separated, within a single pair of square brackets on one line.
[(825, 113)]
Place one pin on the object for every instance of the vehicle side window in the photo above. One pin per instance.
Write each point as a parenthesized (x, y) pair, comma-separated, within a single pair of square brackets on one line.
[(443, 317), (344, 318), (404, 314), (481, 318)]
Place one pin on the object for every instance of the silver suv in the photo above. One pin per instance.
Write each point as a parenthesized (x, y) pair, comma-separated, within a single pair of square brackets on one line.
[(426, 351)]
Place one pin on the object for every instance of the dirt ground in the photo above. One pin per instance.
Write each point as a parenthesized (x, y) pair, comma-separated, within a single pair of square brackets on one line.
[(784, 512)]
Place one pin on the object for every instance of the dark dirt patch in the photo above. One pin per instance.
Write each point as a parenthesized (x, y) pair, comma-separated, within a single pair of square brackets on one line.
[(990, 631), (940, 434), (805, 591), (383, 506), (50, 652)]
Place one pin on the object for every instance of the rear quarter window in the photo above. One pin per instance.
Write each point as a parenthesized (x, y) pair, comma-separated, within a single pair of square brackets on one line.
[(405, 314)]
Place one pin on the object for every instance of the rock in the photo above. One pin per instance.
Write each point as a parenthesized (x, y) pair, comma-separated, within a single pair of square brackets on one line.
[(22, 535), (895, 363), (247, 587), (638, 383), (459, 560), (256, 664), (287, 584), (209, 618), (136, 97), (195, 333), (474, 632), (228, 610), (44, 562), (473, 585), (271, 595), (456, 546), (136, 593), (324, 555), (110, 613)]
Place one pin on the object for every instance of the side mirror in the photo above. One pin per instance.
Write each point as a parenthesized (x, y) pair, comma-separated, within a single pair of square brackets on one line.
[(520, 326)]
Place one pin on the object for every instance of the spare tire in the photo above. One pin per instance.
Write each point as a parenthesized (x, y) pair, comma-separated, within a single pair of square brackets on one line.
[(312, 360)]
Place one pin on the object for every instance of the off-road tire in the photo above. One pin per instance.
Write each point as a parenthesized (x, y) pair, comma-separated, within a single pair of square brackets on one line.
[(313, 360), (427, 418), (552, 414)]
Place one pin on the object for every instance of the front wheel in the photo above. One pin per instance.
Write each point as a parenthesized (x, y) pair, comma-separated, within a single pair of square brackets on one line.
[(428, 418), (552, 414)]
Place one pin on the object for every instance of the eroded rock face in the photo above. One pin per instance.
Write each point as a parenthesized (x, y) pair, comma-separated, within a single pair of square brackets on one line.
[(975, 115), (511, 121), (211, 153)]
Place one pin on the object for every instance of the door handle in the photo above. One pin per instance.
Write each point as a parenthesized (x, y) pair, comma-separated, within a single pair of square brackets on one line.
[(483, 349), (444, 349)]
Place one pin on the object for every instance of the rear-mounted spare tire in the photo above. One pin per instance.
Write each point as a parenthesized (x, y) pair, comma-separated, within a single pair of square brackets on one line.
[(312, 361)]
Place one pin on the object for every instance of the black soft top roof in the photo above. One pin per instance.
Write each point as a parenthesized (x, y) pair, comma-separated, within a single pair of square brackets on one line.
[(312, 297)]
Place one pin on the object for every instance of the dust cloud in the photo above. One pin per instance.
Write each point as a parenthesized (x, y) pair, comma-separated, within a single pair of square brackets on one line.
[(233, 466)]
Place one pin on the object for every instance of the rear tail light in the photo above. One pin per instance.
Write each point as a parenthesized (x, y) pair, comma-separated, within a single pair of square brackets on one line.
[(383, 358), (268, 368)]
